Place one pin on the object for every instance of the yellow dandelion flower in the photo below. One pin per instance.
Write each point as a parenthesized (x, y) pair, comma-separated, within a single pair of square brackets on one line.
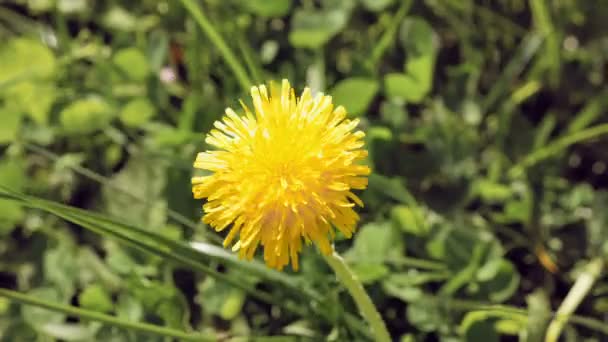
[(282, 175)]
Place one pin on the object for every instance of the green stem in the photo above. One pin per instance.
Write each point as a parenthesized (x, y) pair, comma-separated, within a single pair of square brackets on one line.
[(105, 181), (356, 290), (219, 42), (557, 146), (250, 62), (464, 305), (417, 263), (389, 35), (97, 316), (575, 296)]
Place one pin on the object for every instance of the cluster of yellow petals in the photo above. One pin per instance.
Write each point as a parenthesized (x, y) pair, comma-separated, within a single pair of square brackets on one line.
[(282, 174)]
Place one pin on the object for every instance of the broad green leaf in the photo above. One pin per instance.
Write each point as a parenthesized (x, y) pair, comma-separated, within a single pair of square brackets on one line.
[(167, 136), (376, 5), (61, 266), (173, 311), (129, 308), (485, 324), (39, 317), (12, 174), (355, 94), (268, 8), (162, 299), (369, 273), (418, 39), (34, 99), (27, 67), (425, 316), (11, 123), (373, 244), (480, 330), (142, 181), (313, 29), (503, 284), (73, 6), (86, 115), (69, 331), (117, 18), (220, 300), (404, 87), (95, 297), (394, 113), (25, 59), (409, 220), (93, 269), (137, 112), (492, 192), (40, 5), (5, 304), (132, 63)]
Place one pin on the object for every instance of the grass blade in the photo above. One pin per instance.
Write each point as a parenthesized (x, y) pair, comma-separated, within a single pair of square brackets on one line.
[(557, 146), (100, 317), (219, 42), (173, 250)]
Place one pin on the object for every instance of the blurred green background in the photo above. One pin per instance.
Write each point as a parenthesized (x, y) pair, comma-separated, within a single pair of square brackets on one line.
[(484, 122)]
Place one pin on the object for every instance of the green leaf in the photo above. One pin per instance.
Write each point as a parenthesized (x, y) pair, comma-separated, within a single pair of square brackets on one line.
[(173, 311), (132, 63), (268, 8), (480, 330), (425, 316), (138, 179), (117, 18), (220, 300), (137, 112), (504, 284), (376, 5), (482, 325), (409, 220), (27, 67), (369, 273), (34, 99), (129, 308), (404, 87), (40, 5), (418, 39), (94, 297), (73, 6), (86, 115), (69, 331), (355, 94), (373, 243), (11, 123), (12, 174), (61, 266), (39, 317), (313, 29), (24, 59), (491, 191)]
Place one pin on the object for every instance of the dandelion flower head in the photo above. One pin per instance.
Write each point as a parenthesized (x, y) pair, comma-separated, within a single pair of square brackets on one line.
[(282, 174)]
